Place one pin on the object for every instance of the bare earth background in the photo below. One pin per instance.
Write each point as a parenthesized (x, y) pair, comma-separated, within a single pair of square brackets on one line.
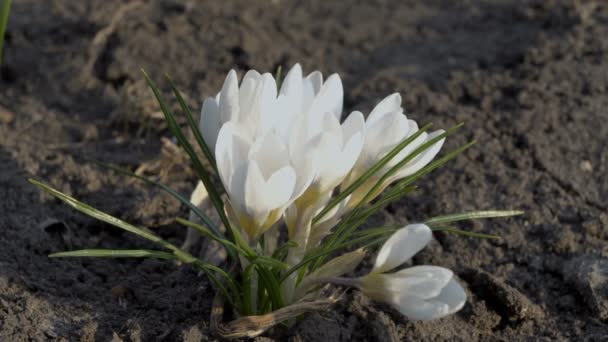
[(529, 78)]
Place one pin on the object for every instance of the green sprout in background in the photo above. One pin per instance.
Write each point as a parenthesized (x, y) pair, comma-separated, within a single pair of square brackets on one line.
[(6, 7)]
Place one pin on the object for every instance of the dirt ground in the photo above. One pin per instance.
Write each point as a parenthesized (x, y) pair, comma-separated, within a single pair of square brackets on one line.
[(529, 79)]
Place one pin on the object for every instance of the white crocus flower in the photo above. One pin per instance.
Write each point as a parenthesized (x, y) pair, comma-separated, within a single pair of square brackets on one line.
[(419, 292), (257, 175), (386, 127), (253, 106)]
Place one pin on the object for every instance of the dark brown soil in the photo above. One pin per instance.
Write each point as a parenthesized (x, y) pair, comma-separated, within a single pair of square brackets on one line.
[(529, 78)]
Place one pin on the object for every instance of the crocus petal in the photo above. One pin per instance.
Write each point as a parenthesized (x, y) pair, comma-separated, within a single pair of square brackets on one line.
[(200, 196), (381, 137), (453, 295), (270, 153), (401, 246), (451, 299), (329, 98), (354, 124), (279, 187), (292, 86), (422, 159), (230, 151), (391, 103), (247, 92), (306, 171), (229, 99), (210, 122), (418, 309), (421, 281), (267, 116), (254, 189), (327, 150)]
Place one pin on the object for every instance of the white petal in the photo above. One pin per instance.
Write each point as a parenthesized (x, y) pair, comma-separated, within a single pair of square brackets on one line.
[(310, 88), (355, 123), (248, 93), (292, 84), (331, 125), (254, 191), (327, 150), (329, 98), (391, 103), (401, 246), (251, 75), (210, 122), (422, 159), (200, 196), (350, 154), (315, 79), (229, 99), (306, 173), (451, 299), (420, 281), (279, 187), (270, 153), (268, 116), (407, 150), (421, 310), (453, 295), (382, 136), (230, 151), (236, 189)]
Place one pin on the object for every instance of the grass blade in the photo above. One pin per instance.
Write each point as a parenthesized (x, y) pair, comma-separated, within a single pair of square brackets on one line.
[(369, 173), (278, 76), (172, 192), (193, 126), (229, 245), (198, 166), (473, 215), (464, 232), (4, 12), (114, 253), (88, 210)]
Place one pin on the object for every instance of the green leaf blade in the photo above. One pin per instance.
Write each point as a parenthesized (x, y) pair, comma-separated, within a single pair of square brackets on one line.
[(114, 253)]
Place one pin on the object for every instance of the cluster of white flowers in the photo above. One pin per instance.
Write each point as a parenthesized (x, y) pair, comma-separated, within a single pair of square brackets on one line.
[(281, 154)]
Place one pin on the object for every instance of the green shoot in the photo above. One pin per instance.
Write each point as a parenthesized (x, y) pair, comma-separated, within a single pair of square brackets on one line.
[(4, 12)]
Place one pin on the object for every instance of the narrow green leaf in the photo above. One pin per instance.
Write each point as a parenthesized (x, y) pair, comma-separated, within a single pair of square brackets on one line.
[(269, 262), (4, 12), (438, 163), (198, 166), (114, 253), (281, 252), (369, 173), (389, 198), (473, 215), (464, 232), (229, 245), (272, 286), (208, 222), (278, 77), (87, 209), (346, 227), (247, 299), (415, 154), (181, 255), (193, 126)]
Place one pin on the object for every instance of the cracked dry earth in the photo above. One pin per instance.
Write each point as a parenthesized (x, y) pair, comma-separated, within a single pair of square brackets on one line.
[(529, 79)]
